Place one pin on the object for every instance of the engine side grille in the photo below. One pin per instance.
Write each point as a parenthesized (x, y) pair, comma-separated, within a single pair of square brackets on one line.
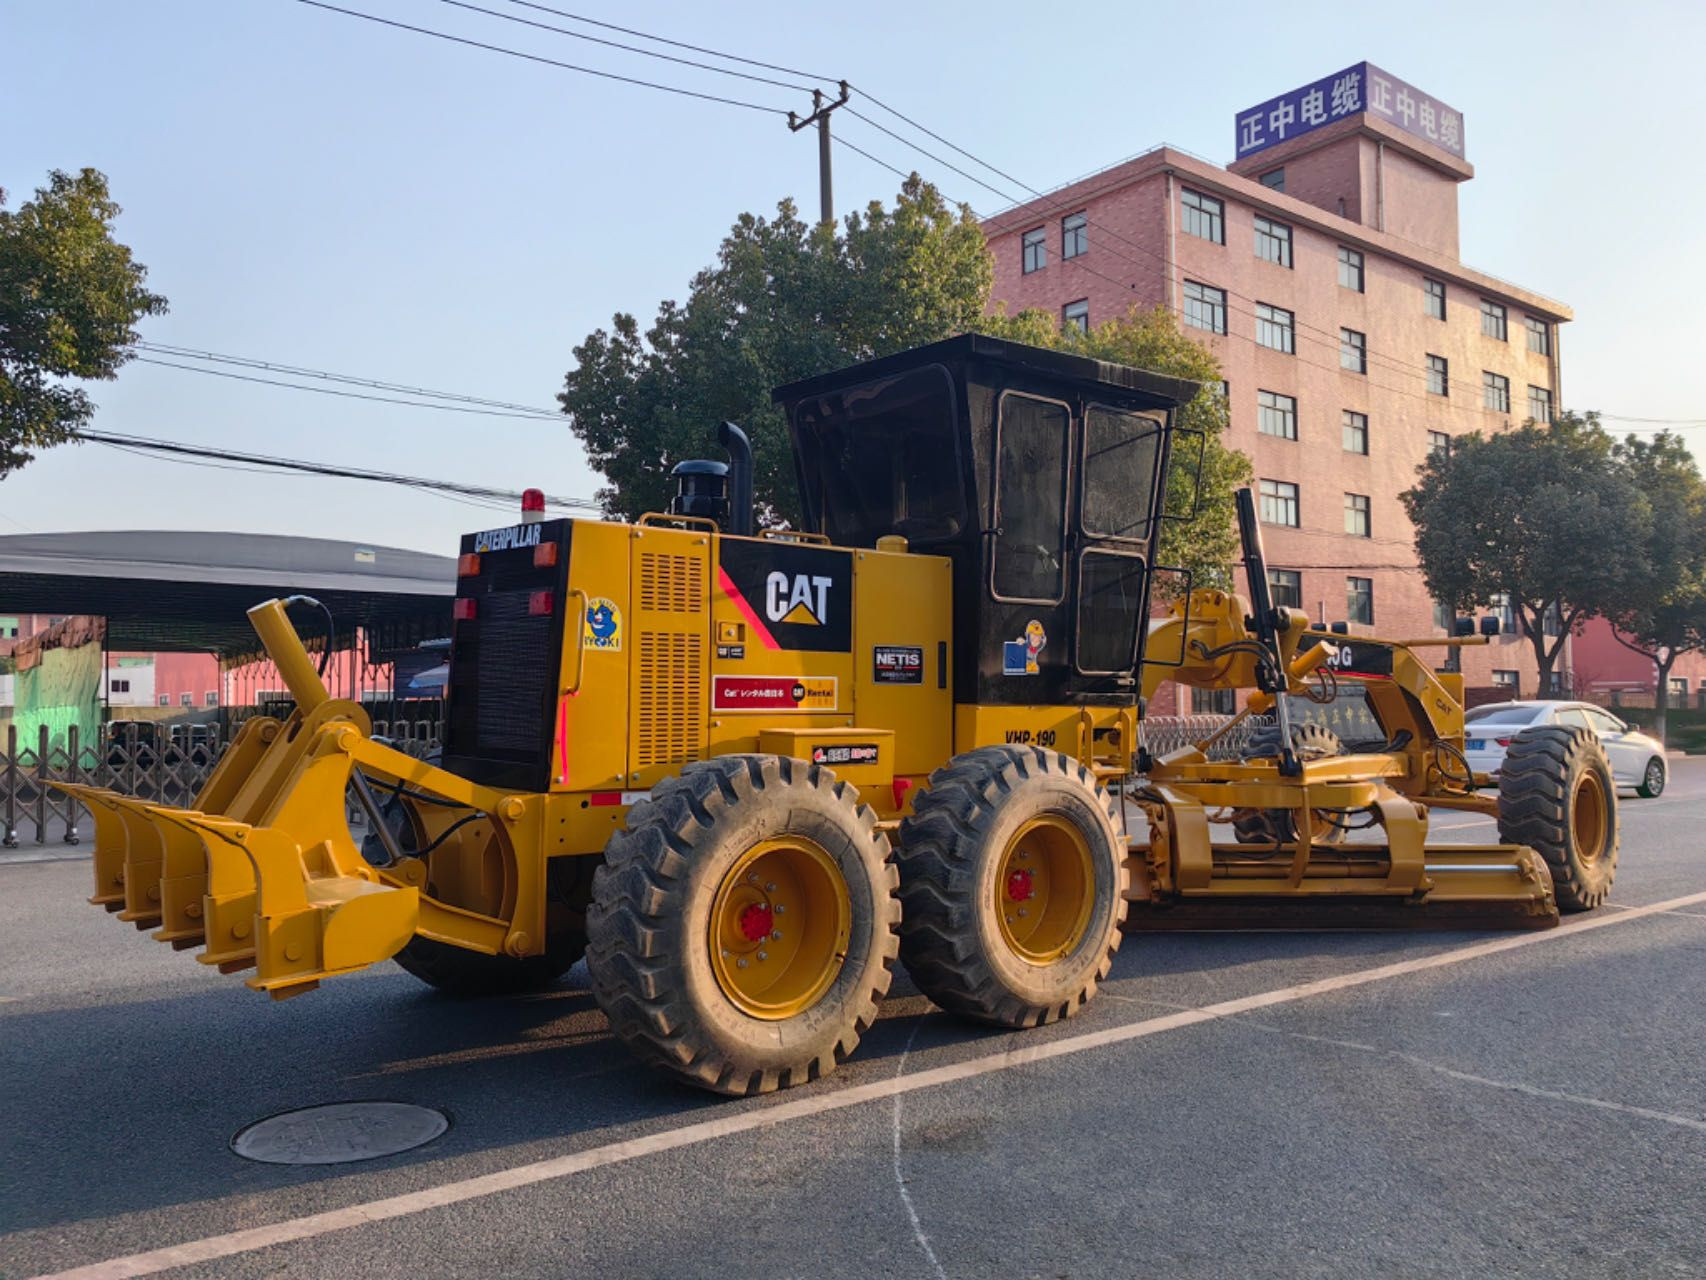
[(671, 584), (671, 723)]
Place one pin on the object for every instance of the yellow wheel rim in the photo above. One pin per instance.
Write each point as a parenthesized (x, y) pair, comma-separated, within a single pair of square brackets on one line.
[(779, 927), (1044, 889), (1588, 817)]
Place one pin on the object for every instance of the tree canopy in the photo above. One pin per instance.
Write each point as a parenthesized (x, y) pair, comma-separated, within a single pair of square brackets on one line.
[(69, 297), (1546, 516), (1663, 615), (784, 301)]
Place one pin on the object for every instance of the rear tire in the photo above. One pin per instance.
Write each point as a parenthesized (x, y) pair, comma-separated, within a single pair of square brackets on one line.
[(1276, 826), (1000, 831), (1653, 780), (743, 926), (1556, 795)]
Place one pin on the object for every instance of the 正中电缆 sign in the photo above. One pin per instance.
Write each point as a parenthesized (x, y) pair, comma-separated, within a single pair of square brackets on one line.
[(1364, 87)]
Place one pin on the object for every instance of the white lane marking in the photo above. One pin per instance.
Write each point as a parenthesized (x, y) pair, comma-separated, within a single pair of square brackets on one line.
[(899, 1177), (1509, 1086), (311, 1225), (1692, 915)]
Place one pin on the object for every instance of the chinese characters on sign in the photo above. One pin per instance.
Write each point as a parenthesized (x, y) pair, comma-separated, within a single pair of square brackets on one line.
[(1364, 87)]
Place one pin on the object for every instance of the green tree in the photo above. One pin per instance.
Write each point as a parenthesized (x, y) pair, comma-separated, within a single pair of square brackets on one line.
[(1663, 615), (1208, 544), (1547, 516), (785, 300), (69, 296)]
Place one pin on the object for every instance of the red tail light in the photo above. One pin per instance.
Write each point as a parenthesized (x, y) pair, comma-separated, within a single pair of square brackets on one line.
[(1504, 742), (541, 602), (545, 555), (468, 566), (463, 610)]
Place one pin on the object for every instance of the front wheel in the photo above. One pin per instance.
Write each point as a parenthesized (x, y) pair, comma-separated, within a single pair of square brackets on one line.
[(1556, 796), (1011, 871), (743, 925), (1653, 780)]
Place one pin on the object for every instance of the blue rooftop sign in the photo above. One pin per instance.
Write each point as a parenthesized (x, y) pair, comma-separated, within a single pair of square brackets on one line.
[(1363, 87)]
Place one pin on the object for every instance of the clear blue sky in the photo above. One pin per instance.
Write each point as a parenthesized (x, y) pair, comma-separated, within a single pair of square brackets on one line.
[(320, 191)]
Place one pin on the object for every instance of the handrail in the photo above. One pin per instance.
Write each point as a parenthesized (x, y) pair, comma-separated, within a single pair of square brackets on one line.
[(577, 620)]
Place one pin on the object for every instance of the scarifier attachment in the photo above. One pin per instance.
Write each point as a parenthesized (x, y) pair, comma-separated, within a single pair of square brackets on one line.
[(260, 870)]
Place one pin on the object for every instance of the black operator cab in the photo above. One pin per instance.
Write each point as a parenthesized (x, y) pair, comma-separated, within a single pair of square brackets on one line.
[(1037, 472)]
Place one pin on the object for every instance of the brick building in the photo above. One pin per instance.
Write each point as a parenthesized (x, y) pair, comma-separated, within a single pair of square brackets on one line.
[(1322, 268)]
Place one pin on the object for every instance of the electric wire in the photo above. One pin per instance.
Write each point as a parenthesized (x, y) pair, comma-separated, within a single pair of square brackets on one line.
[(628, 48), (531, 415), (540, 58)]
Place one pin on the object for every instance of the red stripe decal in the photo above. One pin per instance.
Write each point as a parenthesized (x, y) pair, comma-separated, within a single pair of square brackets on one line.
[(563, 735), (604, 799), (746, 610)]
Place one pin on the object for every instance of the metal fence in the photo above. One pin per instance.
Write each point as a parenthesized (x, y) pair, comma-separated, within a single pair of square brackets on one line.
[(167, 764)]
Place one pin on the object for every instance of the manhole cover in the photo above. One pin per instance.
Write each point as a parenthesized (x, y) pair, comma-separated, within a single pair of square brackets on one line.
[(338, 1133)]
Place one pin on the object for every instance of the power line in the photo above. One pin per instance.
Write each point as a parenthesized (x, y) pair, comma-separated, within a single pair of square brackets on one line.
[(530, 415), (534, 57), (675, 44), (298, 371), (232, 460), (628, 48)]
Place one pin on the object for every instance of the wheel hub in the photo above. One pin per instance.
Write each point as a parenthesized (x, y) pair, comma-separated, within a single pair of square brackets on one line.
[(779, 927), (1020, 886), (1045, 889)]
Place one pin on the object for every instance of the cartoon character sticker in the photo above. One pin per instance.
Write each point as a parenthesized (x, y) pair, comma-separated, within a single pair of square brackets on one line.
[(1019, 657), (603, 625)]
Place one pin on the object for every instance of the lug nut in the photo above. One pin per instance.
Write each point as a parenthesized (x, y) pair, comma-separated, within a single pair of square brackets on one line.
[(741, 963), (1021, 911), (769, 888), (763, 955), (776, 935), (778, 908)]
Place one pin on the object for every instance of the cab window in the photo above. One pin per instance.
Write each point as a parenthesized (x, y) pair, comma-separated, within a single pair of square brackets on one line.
[(1110, 604), (1030, 500), (884, 458), (1121, 451)]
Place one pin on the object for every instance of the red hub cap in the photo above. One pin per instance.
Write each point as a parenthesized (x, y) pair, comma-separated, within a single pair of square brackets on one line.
[(755, 921), (1019, 886)]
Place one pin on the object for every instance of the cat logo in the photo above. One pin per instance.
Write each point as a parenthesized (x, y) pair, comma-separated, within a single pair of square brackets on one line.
[(800, 598)]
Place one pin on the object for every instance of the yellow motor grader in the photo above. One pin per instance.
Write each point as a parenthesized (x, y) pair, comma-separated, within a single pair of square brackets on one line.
[(744, 771)]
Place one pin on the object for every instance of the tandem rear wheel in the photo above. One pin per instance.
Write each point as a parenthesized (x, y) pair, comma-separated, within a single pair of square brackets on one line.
[(1011, 871), (743, 926)]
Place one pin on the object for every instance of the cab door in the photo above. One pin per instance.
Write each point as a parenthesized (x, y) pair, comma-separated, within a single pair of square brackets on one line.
[(1122, 457)]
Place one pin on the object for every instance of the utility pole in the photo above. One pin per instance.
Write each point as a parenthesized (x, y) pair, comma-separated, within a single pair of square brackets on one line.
[(820, 117)]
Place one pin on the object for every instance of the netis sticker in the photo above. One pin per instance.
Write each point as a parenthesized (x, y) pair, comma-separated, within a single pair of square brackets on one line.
[(897, 664)]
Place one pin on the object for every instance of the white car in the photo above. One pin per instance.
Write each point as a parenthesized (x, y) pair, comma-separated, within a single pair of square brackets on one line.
[(1637, 760)]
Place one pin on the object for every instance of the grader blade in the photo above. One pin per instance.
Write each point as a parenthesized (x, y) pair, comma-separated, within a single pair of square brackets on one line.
[(111, 841)]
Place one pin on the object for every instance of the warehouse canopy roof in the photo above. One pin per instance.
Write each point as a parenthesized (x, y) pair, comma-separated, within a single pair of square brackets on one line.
[(189, 591)]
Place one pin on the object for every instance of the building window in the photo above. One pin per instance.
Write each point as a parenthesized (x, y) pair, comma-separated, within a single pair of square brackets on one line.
[(1504, 611), (1359, 600), (1444, 617), (186, 700), (1225, 390), (1204, 216), (1274, 328), (212, 697), (1504, 679), (1356, 515), (1552, 620), (165, 699), (1439, 442), (1495, 392), (1213, 702), (1285, 586), (1350, 269), (1205, 307), (1353, 351), (119, 686), (1074, 235), (1679, 686), (1273, 241), (1036, 250), (1279, 502), (1433, 297), (1493, 319), (1540, 404), (1076, 315), (1276, 415), (1539, 336), (1274, 179), (1353, 430), (1439, 376)]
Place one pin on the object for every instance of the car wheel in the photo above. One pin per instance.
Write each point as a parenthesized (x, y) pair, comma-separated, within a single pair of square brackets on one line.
[(1653, 780)]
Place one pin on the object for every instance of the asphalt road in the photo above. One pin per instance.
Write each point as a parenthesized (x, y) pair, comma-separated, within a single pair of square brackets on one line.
[(1512, 1105)]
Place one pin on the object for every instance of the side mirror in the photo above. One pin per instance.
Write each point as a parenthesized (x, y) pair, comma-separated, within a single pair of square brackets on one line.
[(1490, 625), (1461, 626)]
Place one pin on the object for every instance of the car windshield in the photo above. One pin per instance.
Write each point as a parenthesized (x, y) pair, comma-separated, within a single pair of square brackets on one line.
[(1486, 717)]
